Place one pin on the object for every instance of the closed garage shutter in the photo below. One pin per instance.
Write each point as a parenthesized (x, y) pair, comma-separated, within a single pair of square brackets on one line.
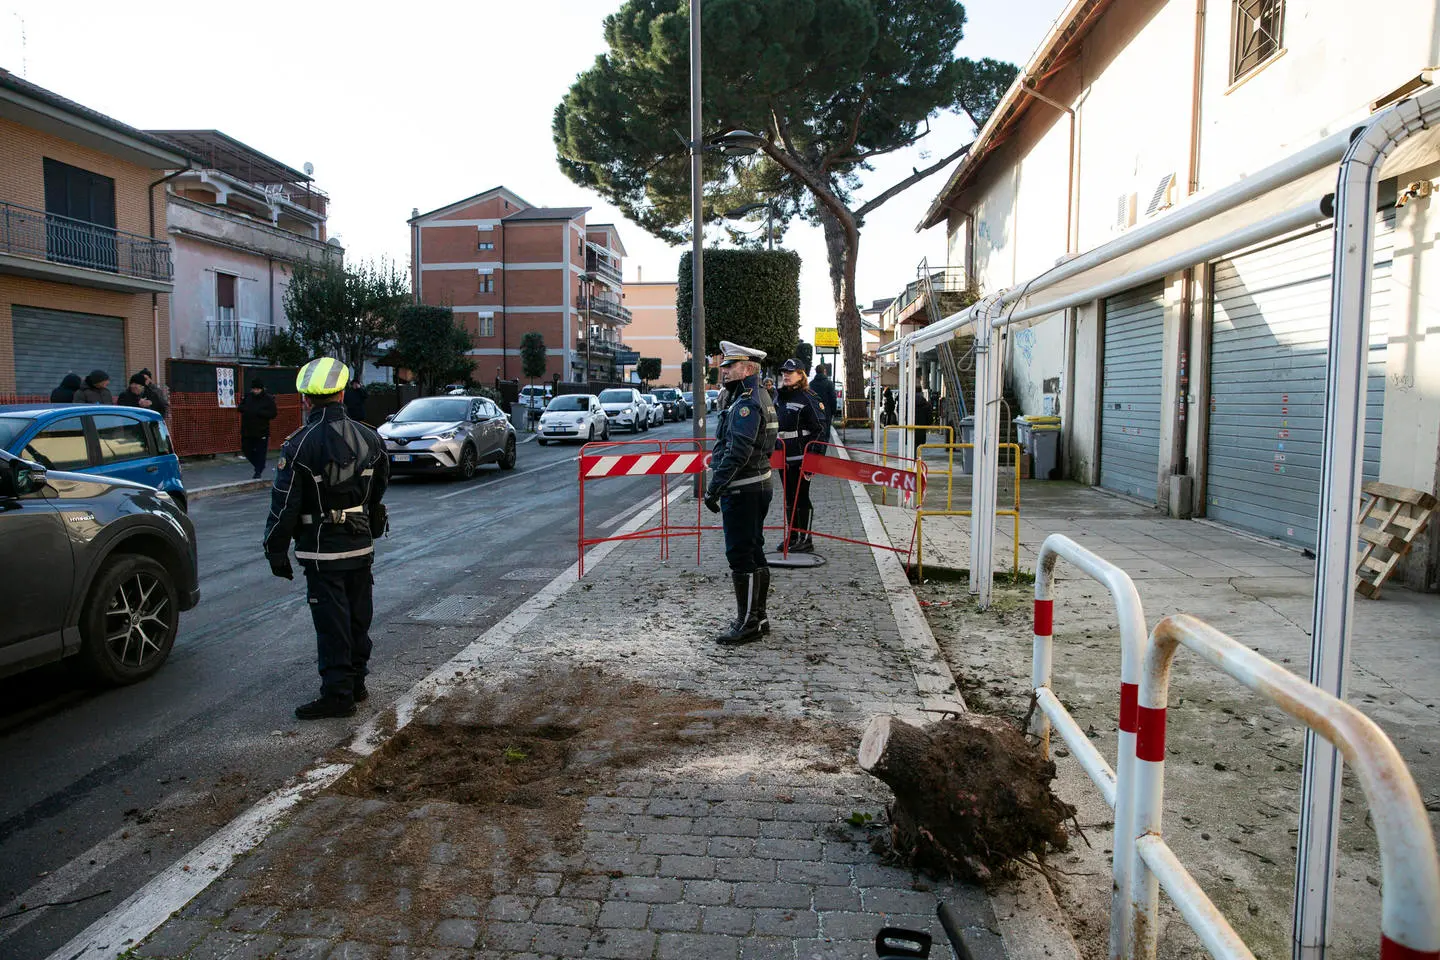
[(1130, 392), (1269, 349), (52, 343)]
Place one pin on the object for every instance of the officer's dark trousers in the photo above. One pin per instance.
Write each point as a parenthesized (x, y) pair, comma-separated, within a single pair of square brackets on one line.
[(340, 605), (255, 449), (797, 496), (742, 514)]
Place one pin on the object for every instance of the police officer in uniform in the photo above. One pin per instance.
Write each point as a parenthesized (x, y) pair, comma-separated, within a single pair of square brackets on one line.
[(801, 420), (329, 481), (740, 487)]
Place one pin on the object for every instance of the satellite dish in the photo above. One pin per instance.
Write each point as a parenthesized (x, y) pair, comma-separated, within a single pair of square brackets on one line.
[(309, 168)]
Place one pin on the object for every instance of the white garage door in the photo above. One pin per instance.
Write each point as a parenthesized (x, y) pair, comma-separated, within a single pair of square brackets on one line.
[(1269, 349), (52, 343), (1130, 391)]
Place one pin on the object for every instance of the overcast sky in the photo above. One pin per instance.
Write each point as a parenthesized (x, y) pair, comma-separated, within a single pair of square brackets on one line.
[(427, 103)]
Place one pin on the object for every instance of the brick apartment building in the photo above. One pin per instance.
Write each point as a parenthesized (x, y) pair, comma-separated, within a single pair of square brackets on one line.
[(85, 267), (508, 267), (653, 331), (240, 223)]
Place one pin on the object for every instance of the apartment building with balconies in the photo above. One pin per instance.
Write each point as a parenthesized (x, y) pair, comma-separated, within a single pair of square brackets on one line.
[(507, 267), (241, 223), (86, 276)]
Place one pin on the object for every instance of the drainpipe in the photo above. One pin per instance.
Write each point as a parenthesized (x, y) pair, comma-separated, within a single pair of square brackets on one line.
[(155, 297), (1181, 484), (504, 313)]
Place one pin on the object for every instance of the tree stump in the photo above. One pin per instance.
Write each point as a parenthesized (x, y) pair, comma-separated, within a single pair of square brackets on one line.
[(972, 795)]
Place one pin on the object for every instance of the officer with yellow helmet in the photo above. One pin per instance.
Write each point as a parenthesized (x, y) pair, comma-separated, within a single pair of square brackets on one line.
[(329, 481)]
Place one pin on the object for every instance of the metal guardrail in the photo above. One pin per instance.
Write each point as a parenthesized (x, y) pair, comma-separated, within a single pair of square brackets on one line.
[(603, 268), (238, 338), (603, 307), (78, 243)]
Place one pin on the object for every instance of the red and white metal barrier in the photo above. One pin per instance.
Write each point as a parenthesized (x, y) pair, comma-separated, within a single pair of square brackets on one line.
[(908, 478), (615, 459), (1113, 783), (1410, 871)]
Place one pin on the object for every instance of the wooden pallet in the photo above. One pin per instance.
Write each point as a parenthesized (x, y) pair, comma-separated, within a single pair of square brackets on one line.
[(1390, 519)]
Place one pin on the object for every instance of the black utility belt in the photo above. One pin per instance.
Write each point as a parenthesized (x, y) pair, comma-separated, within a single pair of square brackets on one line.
[(331, 516)]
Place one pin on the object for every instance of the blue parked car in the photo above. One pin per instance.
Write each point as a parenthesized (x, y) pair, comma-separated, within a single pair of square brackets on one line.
[(130, 443)]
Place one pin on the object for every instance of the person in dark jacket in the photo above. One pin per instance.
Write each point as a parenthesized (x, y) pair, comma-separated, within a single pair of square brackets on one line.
[(824, 389), (155, 393), (330, 481), (355, 402), (740, 487), (134, 394), (65, 393), (96, 389), (923, 415), (801, 419), (257, 409)]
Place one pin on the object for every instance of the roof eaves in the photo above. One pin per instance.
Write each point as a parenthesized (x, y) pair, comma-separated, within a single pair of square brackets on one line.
[(1072, 25), (55, 101), (500, 189)]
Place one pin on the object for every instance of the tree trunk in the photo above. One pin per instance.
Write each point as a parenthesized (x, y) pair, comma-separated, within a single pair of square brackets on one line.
[(842, 245), (972, 795)]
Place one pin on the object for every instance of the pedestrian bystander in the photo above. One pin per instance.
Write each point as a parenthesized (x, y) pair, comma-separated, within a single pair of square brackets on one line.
[(65, 393), (96, 388), (134, 393), (257, 409)]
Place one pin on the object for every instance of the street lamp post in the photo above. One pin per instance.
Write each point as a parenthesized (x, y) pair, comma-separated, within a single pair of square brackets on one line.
[(698, 352)]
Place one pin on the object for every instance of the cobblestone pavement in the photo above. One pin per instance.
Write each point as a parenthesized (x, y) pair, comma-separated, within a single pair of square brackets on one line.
[(737, 857)]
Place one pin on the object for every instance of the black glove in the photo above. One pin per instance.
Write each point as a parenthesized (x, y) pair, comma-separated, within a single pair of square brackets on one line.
[(712, 503), (280, 565)]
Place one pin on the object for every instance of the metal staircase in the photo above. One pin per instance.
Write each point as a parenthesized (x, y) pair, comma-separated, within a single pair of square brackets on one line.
[(956, 409)]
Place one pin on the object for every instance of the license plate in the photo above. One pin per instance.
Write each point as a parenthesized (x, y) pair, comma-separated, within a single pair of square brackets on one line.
[(400, 457)]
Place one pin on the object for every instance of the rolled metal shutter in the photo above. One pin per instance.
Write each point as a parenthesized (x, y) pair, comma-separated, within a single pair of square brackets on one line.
[(1269, 349), (52, 343), (1130, 391)]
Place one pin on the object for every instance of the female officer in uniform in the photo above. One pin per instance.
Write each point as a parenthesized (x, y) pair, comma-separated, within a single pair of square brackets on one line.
[(800, 418)]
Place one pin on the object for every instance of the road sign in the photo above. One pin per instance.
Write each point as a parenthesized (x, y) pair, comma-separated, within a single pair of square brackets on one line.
[(827, 337), (627, 358)]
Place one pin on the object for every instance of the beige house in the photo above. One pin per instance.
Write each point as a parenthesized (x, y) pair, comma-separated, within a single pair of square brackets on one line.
[(85, 269), (1215, 374), (653, 327)]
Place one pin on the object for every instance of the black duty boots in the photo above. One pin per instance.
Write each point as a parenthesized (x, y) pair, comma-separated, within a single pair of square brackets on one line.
[(324, 708), (751, 592)]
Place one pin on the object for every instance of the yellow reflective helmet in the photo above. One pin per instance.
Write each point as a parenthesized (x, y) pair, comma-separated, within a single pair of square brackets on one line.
[(321, 376)]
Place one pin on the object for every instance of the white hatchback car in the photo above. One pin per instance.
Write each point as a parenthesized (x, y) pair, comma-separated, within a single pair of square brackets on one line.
[(575, 416), (656, 408)]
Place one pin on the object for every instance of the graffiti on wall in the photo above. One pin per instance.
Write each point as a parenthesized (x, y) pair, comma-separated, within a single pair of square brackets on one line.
[(1025, 344)]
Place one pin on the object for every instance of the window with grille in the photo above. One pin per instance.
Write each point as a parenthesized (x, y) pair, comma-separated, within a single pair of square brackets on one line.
[(1257, 26), (487, 245)]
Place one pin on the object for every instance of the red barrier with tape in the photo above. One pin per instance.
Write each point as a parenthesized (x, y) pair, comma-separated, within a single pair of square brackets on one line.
[(819, 462)]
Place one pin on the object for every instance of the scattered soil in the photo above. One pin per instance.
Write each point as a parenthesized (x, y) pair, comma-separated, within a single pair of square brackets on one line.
[(485, 789)]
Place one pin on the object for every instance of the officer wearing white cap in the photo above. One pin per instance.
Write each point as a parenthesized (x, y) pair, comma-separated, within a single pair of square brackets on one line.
[(740, 486), (801, 419), (329, 481)]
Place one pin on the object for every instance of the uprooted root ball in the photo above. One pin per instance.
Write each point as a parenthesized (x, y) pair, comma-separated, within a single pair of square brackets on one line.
[(972, 795)]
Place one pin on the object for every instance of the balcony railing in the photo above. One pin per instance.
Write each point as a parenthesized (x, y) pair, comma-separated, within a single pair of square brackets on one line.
[(942, 280), (48, 236), (240, 339), (600, 348), (602, 268), (603, 307)]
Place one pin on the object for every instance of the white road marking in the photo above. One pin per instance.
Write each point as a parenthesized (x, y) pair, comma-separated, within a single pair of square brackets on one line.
[(144, 911), (623, 515), (471, 488)]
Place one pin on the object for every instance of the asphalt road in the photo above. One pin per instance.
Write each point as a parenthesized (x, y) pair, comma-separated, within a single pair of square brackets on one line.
[(102, 789)]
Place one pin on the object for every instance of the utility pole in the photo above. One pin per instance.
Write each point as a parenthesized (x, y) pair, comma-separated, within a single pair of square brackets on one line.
[(699, 355)]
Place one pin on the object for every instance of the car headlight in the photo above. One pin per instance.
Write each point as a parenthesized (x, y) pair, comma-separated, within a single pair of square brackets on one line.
[(447, 435), (162, 495)]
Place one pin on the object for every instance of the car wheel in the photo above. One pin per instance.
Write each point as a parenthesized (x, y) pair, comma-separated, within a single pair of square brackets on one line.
[(468, 463), (507, 461), (130, 620), (605, 431)]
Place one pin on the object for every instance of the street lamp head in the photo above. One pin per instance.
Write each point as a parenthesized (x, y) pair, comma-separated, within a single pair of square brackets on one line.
[(735, 143)]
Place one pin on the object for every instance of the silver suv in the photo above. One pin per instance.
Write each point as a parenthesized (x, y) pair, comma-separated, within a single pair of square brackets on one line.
[(625, 409), (448, 435)]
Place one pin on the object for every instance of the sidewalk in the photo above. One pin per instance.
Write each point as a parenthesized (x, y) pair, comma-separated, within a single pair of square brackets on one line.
[(224, 473), (1233, 776), (533, 812)]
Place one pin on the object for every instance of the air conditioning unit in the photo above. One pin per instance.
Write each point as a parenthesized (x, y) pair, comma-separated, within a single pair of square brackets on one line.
[(1125, 211)]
